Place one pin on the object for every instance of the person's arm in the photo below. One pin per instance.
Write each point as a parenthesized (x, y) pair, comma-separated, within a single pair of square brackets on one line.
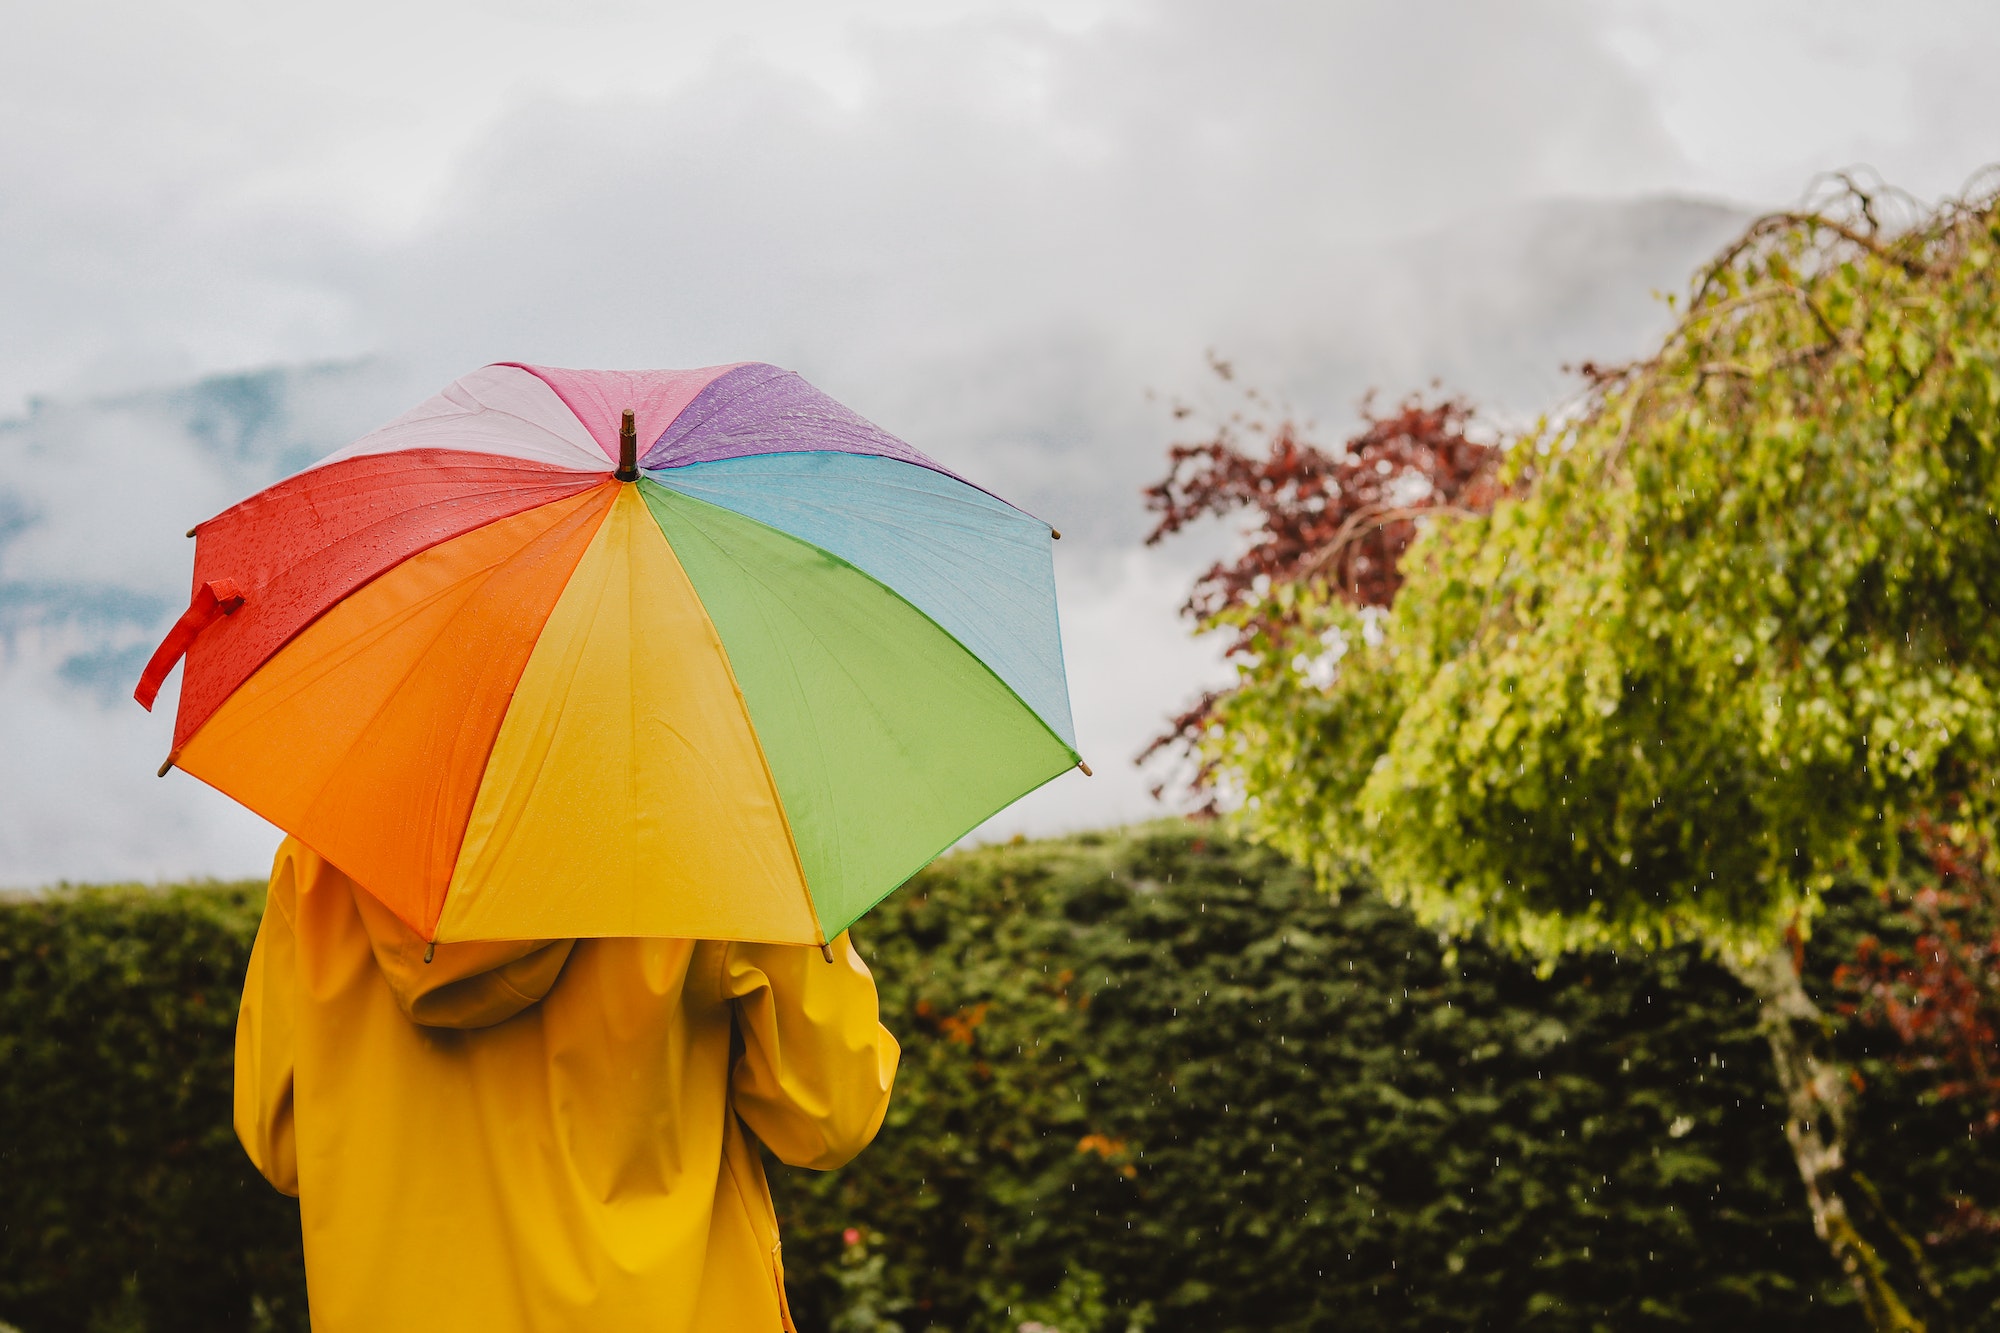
[(817, 1065), (264, 1027)]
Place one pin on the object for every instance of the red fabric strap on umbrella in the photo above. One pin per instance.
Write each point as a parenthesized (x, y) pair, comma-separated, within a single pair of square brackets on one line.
[(212, 600)]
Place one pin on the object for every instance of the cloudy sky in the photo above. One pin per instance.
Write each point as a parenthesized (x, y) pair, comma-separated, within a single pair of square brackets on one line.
[(992, 227)]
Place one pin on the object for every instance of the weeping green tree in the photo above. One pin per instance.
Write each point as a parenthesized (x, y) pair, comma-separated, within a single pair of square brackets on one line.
[(1726, 637)]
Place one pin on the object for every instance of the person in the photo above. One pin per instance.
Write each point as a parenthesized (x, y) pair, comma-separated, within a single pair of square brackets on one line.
[(542, 1135)]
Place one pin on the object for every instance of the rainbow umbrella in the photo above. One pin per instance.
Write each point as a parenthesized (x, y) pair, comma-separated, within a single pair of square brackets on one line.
[(740, 687)]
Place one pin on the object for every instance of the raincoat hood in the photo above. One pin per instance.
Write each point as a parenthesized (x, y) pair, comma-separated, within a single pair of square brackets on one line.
[(469, 985)]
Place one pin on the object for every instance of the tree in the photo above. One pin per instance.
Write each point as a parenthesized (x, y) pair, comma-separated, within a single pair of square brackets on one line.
[(1340, 520), (1938, 990), (1723, 639)]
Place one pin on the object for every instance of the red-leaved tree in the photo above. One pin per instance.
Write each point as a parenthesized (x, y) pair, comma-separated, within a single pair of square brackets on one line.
[(1339, 516), (1940, 994)]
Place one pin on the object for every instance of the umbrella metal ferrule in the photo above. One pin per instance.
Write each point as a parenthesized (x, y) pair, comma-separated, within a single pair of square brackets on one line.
[(628, 449)]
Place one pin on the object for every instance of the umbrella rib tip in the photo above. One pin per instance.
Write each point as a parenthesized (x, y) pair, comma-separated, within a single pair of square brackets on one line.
[(1086, 769)]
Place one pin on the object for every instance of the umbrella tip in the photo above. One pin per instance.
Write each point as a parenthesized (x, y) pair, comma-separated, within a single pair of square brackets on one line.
[(165, 768), (826, 951), (1086, 769), (628, 449), (1056, 533), (430, 950)]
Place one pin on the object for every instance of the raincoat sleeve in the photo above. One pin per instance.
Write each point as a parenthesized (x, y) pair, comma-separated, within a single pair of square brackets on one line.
[(264, 1029), (814, 1077)]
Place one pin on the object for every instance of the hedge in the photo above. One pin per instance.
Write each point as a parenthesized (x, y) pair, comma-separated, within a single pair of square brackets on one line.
[(1151, 1080), (125, 1202)]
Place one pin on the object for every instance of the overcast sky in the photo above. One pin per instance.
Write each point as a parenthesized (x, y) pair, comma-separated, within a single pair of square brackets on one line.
[(993, 227), (196, 186)]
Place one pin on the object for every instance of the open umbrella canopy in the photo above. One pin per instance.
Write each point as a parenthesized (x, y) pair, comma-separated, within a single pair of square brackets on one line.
[(735, 676)]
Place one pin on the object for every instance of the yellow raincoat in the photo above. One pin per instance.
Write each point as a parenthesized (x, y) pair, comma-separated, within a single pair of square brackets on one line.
[(541, 1136)]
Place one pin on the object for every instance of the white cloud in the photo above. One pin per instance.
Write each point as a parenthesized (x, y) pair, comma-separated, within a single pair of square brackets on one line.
[(990, 226), (1758, 98)]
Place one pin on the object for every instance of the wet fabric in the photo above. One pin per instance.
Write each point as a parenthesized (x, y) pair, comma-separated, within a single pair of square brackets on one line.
[(541, 1135), (979, 567), (742, 696), (505, 410), (600, 398), (616, 768), (299, 547), (870, 715), (370, 733), (759, 409)]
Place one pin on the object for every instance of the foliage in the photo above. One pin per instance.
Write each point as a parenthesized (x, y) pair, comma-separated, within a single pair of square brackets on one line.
[(1731, 635), (863, 1306), (1166, 1066), (1226, 1084), (1345, 516), (125, 1201), (1339, 519), (1933, 979), (1723, 641), (1927, 1151), (1941, 994)]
